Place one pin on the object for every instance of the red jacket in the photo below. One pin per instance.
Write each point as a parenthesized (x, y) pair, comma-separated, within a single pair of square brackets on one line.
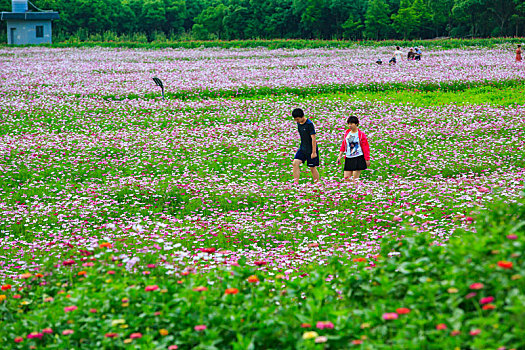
[(363, 142)]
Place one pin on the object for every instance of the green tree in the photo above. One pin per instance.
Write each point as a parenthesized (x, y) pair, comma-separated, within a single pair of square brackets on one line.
[(470, 12), (176, 14), (405, 21), (377, 20), (209, 22), (423, 18), (153, 17)]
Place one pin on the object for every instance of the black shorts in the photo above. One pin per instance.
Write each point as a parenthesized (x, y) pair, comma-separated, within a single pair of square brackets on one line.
[(302, 156), (356, 163)]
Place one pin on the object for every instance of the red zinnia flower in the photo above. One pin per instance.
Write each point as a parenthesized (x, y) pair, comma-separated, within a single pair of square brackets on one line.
[(441, 326), (259, 263), (357, 342), (231, 291), (110, 335), (402, 311), (306, 325), (135, 335), (505, 264), (489, 307), (68, 262), (208, 250), (6, 287), (200, 327), (19, 339), (151, 288)]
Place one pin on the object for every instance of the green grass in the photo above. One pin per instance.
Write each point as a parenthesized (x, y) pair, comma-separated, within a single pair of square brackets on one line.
[(292, 44)]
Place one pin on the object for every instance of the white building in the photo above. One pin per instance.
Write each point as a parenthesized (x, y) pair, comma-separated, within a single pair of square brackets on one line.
[(26, 27)]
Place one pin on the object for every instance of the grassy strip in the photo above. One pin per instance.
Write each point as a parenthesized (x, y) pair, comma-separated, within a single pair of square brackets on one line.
[(470, 294), (292, 44), (502, 96), (261, 92)]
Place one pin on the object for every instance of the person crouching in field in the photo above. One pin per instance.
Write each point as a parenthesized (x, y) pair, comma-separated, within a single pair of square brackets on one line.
[(356, 150), (308, 151)]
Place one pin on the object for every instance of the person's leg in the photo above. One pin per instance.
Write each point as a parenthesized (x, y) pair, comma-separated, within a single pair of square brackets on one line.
[(348, 175), (315, 174), (356, 174), (296, 169)]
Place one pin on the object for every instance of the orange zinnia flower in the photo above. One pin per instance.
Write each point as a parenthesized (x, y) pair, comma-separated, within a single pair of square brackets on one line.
[(105, 245), (200, 289), (231, 291), (253, 279)]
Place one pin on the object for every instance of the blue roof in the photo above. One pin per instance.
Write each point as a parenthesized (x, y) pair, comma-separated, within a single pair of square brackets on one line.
[(29, 16)]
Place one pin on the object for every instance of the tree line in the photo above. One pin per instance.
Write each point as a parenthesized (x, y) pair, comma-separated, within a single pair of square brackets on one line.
[(270, 19)]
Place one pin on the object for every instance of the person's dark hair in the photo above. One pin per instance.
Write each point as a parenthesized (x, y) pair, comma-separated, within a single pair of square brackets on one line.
[(519, 45), (352, 119), (297, 113), (398, 48)]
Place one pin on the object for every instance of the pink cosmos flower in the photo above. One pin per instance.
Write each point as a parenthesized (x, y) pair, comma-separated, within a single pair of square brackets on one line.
[(200, 327), (67, 332), (151, 288), (324, 325), (390, 316), (173, 347), (475, 332), (470, 295), (70, 308), (47, 331), (477, 285), (135, 335), (486, 300), (35, 335)]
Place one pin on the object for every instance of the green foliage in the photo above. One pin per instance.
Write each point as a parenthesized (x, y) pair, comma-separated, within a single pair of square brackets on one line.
[(270, 19), (467, 294)]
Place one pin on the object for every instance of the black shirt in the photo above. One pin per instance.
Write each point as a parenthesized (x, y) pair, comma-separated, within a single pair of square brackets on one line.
[(306, 131)]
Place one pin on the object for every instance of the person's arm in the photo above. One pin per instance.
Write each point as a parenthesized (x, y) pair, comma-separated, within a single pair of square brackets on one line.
[(314, 146), (342, 150)]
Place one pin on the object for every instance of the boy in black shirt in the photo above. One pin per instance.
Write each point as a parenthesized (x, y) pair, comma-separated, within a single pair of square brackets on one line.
[(308, 150)]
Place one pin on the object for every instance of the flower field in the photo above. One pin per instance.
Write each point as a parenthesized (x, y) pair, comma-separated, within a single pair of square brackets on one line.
[(129, 221)]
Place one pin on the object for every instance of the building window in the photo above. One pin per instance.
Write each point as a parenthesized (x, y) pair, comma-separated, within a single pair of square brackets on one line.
[(39, 31)]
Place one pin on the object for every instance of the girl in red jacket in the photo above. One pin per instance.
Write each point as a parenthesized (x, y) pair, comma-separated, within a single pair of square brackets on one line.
[(356, 150)]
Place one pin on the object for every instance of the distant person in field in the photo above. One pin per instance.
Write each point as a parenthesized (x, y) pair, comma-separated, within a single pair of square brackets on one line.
[(398, 54), (518, 54), (355, 149), (379, 61), (308, 151), (418, 54), (411, 55)]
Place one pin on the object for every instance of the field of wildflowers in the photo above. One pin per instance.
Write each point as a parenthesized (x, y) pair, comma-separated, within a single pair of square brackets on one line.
[(129, 221)]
